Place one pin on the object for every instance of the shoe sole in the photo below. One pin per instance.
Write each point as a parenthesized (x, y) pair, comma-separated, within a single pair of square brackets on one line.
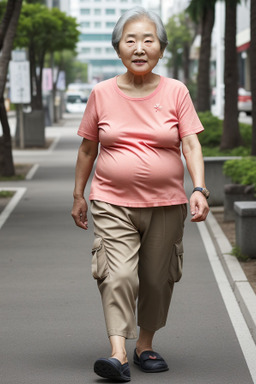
[(108, 371), (151, 370)]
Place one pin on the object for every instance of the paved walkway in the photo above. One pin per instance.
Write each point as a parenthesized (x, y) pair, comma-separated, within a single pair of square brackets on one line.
[(51, 321)]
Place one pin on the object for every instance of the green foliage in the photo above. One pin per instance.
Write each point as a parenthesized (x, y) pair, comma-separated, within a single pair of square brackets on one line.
[(6, 194), (236, 251), (66, 61), (210, 138), (197, 8), (192, 87), (215, 151), (241, 171), (2, 8), (179, 34), (45, 30)]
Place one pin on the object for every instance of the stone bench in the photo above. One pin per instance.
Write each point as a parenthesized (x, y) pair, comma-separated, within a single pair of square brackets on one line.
[(245, 215), (233, 193), (215, 179)]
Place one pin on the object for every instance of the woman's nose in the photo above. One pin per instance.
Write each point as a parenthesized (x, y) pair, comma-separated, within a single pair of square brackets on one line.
[(139, 48)]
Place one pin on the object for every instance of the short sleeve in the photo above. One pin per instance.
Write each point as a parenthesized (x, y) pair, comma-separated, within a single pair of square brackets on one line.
[(189, 121), (89, 124)]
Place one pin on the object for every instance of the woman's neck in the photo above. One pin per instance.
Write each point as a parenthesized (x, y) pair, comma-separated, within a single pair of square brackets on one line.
[(138, 86)]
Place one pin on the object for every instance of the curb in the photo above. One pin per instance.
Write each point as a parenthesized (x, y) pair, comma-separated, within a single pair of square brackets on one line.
[(242, 289)]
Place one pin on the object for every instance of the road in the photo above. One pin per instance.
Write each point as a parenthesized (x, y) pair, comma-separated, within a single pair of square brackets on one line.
[(52, 328)]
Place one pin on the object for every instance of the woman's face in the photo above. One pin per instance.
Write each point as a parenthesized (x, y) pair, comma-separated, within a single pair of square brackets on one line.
[(139, 47)]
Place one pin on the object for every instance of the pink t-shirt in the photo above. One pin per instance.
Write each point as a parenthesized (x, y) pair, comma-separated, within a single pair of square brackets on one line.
[(139, 163)]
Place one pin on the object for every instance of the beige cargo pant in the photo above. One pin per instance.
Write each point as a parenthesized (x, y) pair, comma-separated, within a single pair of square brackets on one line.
[(137, 254)]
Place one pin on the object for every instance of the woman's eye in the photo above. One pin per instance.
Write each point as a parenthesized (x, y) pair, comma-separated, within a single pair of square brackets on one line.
[(148, 41)]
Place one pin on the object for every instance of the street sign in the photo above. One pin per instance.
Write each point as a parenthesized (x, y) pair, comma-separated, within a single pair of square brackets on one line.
[(20, 82)]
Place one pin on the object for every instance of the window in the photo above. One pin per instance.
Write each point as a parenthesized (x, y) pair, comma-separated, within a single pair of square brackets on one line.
[(97, 11), (85, 11), (97, 50), (97, 24), (86, 50), (110, 11), (85, 24), (110, 24), (109, 50), (95, 37)]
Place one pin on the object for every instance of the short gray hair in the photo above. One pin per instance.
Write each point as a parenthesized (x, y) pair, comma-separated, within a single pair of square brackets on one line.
[(135, 14)]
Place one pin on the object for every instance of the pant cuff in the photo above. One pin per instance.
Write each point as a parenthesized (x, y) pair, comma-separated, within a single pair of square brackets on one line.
[(127, 335)]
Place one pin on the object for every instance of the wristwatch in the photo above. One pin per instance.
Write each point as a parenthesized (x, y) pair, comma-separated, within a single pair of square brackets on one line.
[(204, 191)]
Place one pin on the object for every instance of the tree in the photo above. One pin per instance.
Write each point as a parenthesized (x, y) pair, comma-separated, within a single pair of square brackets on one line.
[(231, 137), (8, 28), (43, 31), (253, 73), (179, 34), (75, 70), (203, 12)]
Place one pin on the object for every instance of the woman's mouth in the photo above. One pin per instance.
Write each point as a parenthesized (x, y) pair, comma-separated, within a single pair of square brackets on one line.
[(139, 62)]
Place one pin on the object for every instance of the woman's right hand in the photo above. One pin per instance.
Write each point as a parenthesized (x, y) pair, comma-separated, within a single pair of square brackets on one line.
[(79, 212)]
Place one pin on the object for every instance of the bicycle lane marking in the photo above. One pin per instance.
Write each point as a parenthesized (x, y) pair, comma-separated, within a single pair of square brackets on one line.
[(243, 334), (19, 192)]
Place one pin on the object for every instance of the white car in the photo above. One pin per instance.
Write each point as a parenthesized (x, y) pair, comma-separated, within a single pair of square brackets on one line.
[(244, 101), (75, 102)]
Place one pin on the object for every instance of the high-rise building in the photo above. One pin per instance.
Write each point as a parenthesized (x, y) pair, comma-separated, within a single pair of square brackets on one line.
[(97, 19), (63, 5)]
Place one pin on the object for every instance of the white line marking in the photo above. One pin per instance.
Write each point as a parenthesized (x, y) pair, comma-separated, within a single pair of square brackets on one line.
[(54, 144), (32, 172), (12, 203), (242, 332)]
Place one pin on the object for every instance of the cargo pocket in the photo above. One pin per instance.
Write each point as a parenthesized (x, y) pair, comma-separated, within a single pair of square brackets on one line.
[(99, 259), (176, 263)]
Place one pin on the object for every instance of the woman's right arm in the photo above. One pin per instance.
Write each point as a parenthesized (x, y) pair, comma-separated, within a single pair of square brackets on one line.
[(87, 154)]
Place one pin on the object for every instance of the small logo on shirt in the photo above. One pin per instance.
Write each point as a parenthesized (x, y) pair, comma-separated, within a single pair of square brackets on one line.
[(158, 107)]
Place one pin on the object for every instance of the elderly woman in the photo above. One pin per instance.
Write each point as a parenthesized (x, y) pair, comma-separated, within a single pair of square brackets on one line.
[(138, 202)]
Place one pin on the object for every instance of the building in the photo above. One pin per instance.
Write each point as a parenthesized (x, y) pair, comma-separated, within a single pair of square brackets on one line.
[(243, 39), (97, 19), (63, 5)]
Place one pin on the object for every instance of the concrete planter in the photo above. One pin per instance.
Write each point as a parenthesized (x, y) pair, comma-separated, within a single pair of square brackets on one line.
[(215, 179), (245, 212), (34, 129), (233, 193)]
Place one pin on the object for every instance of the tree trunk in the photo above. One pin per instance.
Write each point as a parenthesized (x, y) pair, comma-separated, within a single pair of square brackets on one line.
[(36, 82), (231, 137), (175, 66), (6, 163), (6, 20), (6, 160), (203, 80), (253, 73)]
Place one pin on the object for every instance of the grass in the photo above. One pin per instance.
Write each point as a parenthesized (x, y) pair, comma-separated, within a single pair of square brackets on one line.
[(236, 251), (21, 171), (6, 194)]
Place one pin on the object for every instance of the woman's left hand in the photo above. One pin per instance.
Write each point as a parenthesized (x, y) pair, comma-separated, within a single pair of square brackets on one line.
[(199, 207)]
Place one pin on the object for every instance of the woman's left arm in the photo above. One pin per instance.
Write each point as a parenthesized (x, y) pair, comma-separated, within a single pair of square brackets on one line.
[(192, 152)]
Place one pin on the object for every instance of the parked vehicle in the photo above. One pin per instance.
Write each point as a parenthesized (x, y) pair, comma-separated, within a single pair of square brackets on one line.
[(244, 101), (75, 102)]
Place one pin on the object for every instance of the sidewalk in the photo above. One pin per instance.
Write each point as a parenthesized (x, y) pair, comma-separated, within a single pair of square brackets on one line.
[(52, 327)]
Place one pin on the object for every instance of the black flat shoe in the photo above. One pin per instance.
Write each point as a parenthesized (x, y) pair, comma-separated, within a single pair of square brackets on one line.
[(150, 362), (111, 368)]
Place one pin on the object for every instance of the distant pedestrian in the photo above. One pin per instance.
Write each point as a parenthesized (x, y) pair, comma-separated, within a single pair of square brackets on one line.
[(137, 197)]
